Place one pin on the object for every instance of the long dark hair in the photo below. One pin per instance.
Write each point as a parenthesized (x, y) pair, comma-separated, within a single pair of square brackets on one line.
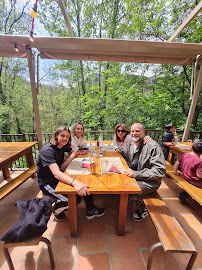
[(54, 140), (123, 126)]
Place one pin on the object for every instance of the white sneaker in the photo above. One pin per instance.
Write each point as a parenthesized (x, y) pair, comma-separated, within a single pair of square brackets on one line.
[(139, 216)]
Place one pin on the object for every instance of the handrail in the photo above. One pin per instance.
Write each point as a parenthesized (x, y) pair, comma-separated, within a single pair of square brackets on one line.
[(156, 134)]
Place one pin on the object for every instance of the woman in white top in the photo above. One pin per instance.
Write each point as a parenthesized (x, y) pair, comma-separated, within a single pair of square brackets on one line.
[(77, 136)]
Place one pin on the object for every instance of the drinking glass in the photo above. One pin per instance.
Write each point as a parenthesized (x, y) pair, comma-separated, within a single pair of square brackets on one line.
[(101, 151), (94, 154), (91, 142), (90, 154), (105, 165)]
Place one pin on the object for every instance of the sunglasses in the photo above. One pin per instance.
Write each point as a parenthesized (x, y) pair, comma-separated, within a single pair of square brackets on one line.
[(122, 131)]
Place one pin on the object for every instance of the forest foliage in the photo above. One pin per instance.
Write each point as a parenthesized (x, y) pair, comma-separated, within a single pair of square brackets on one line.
[(99, 94)]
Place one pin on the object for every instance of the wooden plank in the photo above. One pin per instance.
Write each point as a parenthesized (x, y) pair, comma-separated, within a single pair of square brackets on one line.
[(62, 6), (30, 242), (16, 182), (73, 215), (169, 167), (171, 234), (34, 98), (122, 214), (192, 15), (6, 173), (193, 105), (193, 191)]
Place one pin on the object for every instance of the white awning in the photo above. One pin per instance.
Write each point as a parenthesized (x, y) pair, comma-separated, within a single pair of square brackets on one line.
[(112, 50)]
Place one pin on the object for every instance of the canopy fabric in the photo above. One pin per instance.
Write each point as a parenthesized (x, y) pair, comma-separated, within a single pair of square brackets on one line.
[(112, 50)]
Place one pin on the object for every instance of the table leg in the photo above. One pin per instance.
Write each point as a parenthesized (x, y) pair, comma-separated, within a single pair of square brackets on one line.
[(6, 173), (122, 214), (73, 219), (30, 161), (171, 156)]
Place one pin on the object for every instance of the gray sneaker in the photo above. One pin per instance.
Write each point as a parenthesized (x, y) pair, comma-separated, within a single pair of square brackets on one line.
[(96, 212)]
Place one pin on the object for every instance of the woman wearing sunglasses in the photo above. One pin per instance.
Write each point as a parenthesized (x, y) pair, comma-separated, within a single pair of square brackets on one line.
[(122, 140)]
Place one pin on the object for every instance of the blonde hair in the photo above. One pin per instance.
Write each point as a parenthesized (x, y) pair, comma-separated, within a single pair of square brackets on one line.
[(54, 140), (73, 129), (123, 126)]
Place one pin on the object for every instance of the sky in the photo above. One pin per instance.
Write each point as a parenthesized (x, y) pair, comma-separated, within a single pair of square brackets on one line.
[(45, 66)]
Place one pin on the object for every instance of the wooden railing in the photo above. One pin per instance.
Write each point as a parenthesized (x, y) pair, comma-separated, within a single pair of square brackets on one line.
[(155, 134)]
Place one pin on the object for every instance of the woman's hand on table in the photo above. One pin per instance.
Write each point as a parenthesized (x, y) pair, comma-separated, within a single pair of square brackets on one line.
[(118, 150), (129, 172), (81, 188)]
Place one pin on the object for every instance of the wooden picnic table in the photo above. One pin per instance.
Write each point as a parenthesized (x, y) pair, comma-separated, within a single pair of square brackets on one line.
[(177, 149), (11, 151), (101, 183)]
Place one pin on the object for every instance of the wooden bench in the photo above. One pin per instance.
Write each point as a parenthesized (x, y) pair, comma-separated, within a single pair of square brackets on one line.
[(193, 191), (172, 236), (31, 242), (16, 182)]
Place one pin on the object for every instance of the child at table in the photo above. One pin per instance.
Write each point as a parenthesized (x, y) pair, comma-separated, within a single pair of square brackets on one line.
[(50, 170), (77, 136), (191, 167), (170, 136)]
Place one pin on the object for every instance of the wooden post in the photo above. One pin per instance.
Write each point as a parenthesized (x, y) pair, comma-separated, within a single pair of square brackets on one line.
[(192, 15), (34, 97), (193, 105), (62, 6)]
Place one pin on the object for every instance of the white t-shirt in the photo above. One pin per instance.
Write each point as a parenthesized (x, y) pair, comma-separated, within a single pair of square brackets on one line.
[(77, 142)]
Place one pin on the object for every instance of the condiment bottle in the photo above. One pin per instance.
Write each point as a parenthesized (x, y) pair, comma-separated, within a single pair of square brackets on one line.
[(92, 166)]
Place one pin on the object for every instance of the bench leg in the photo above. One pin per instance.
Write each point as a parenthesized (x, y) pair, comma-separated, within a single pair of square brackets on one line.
[(8, 258), (151, 252), (48, 243), (191, 261), (6, 173)]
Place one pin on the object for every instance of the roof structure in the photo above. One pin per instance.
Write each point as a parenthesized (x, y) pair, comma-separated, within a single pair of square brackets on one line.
[(112, 50)]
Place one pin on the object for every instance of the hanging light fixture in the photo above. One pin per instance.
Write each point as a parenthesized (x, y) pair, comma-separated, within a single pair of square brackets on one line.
[(31, 37), (34, 11)]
